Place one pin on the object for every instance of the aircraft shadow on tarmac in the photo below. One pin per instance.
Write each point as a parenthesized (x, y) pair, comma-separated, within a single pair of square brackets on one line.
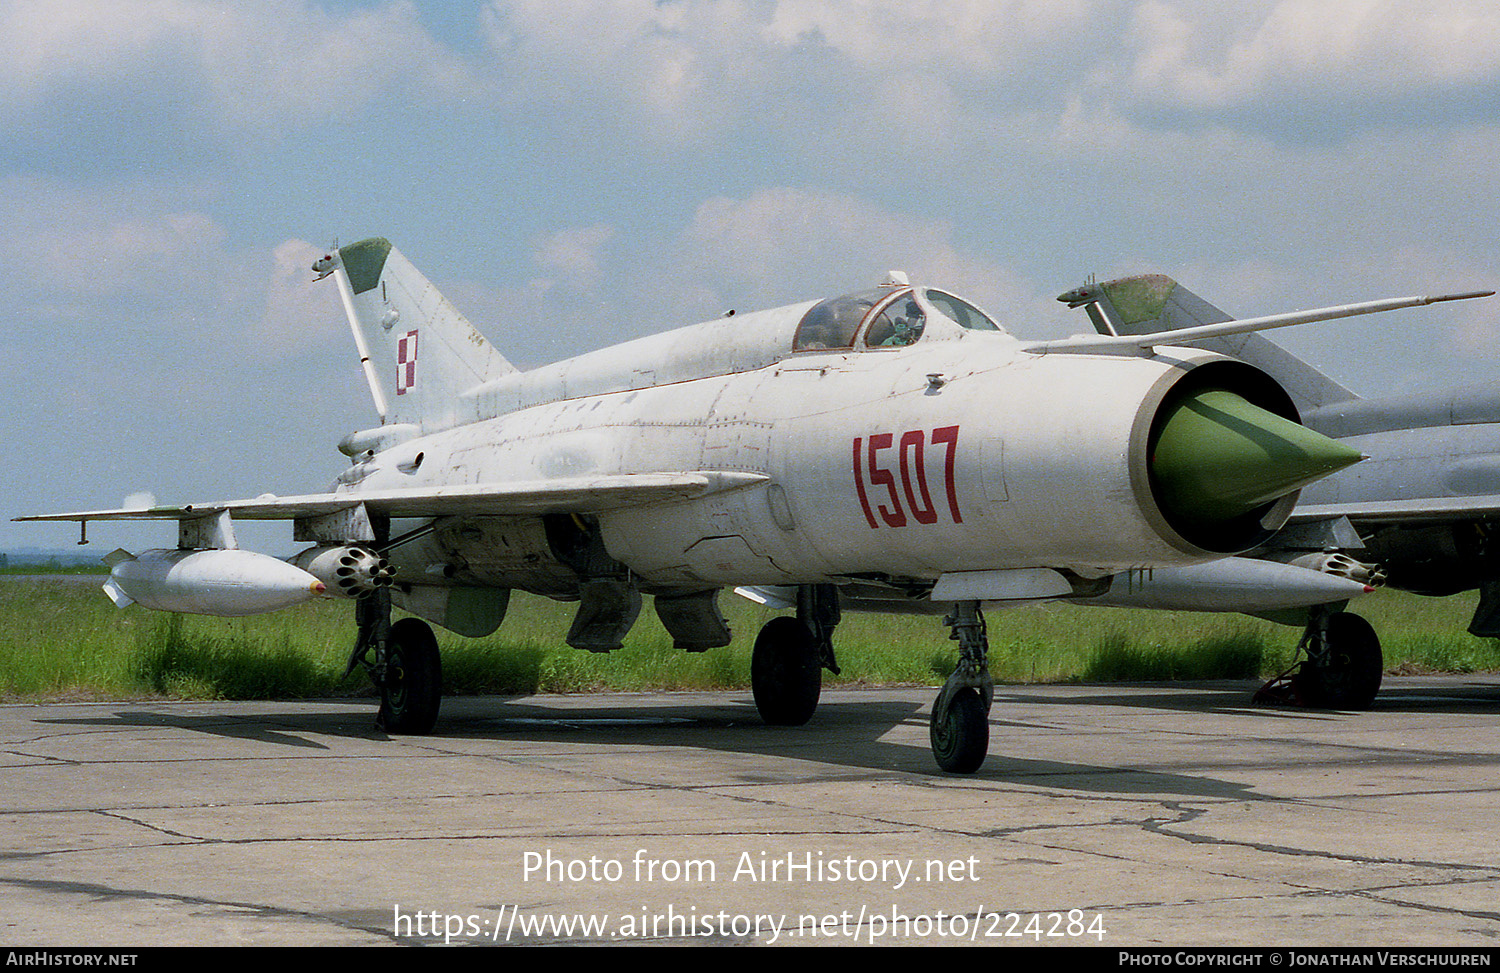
[(846, 733)]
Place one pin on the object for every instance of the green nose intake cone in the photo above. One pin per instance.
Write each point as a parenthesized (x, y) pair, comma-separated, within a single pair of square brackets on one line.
[(1218, 457)]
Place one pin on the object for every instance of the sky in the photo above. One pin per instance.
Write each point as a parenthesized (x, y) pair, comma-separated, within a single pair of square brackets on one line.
[(572, 174)]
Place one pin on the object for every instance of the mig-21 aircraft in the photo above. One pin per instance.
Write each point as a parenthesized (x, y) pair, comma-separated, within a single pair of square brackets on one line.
[(1420, 514), (893, 448)]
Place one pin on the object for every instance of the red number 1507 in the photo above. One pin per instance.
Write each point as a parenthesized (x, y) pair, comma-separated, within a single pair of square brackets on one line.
[(910, 459)]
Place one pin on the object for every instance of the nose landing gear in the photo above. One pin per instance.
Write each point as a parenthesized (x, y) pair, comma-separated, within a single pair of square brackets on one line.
[(960, 727)]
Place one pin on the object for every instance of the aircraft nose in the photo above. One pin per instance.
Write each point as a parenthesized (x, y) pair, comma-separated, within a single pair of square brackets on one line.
[(1217, 457)]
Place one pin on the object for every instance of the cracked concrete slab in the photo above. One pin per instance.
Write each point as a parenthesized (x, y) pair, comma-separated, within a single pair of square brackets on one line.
[(1127, 815)]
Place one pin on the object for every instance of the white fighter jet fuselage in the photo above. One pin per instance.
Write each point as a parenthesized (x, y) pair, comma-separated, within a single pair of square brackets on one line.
[(961, 455), (906, 457)]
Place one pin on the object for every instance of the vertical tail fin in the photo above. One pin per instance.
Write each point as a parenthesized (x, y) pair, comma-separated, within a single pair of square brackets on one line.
[(418, 352), (1151, 302)]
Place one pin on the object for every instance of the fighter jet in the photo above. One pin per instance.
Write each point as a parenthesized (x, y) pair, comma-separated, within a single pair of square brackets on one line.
[(893, 447), (1419, 514)]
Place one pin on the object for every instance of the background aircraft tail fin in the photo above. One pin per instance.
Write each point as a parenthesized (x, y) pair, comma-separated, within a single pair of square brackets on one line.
[(418, 352), (1150, 303)]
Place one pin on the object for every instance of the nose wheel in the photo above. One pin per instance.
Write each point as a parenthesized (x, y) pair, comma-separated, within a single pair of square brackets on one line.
[(960, 735), (960, 727)]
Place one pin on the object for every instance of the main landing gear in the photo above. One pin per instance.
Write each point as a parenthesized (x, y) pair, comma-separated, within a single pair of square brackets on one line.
[(786, 673), (406, 667), (1343, 666), (786, 666)]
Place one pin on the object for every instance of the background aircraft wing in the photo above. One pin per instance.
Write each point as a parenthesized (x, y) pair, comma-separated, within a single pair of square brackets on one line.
[(581, 494), (1153, 303), (1108, 343), (1433, 509)]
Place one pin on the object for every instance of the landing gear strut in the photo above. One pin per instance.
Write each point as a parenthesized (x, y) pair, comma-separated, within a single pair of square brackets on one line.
[(960, 728), (786, 666), (406, 668)]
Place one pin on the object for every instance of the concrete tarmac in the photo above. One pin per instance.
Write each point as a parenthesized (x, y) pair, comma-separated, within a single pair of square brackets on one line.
[(1172, 815)]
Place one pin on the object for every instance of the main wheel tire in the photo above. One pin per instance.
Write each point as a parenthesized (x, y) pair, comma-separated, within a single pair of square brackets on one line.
[(1351, 676), (962, 740), (786, 672), (413, 688)]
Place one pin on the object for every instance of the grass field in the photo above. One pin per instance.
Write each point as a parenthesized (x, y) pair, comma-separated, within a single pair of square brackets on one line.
[(62, 639)]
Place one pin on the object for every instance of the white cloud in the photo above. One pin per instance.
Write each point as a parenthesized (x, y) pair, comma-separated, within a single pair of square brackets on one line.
[(300, 314), (126, 255), (1300, 70), (141, 500), (772, 247), (652, 56), (1372, 60), (79, 255), (573, 252), (783, 244), (79, 243), (158, 78), (694, 66), (968, 38)]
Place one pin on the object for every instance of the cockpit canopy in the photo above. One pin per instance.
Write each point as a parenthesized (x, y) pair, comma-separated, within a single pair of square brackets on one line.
[(885, 317)]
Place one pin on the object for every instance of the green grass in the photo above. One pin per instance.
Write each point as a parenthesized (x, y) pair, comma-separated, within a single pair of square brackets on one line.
[(1231, 655), (63, 639)]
